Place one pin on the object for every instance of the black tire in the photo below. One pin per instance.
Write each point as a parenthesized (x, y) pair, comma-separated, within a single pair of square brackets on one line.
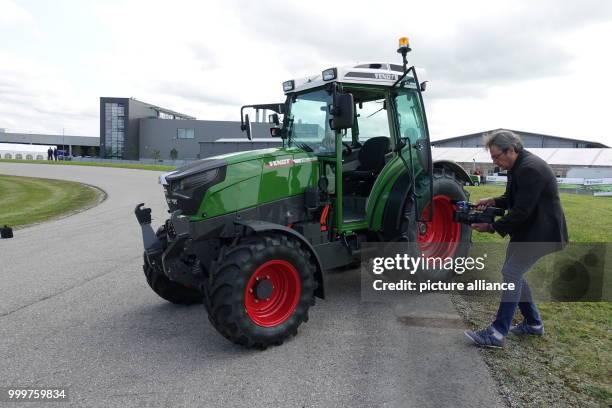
[(166, 289), (228, 304), (446, 188)]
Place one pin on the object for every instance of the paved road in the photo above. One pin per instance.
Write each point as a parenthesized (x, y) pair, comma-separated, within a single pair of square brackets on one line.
[(75, 311)]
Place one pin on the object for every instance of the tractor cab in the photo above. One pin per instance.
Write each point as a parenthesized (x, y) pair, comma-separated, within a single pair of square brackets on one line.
[(366, 126)]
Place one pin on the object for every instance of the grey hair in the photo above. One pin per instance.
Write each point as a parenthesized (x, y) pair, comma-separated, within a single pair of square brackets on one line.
[(504, 140)]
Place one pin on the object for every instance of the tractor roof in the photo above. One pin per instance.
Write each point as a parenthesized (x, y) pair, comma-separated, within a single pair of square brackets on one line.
[(373, 73)]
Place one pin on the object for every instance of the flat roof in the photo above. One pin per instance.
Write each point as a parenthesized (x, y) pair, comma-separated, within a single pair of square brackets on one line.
[(597, 156), (150, 105), (520, 132)]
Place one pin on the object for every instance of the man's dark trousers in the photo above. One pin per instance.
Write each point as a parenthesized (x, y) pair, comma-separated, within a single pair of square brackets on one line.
[(518, 261)]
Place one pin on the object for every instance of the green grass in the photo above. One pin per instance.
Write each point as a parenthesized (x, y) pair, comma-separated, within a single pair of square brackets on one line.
[(572, 362), (156, 167), (589, 219), (25, 200)]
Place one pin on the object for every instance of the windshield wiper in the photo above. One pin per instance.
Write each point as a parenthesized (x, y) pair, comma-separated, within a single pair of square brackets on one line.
[(304, 147), (376, 112)]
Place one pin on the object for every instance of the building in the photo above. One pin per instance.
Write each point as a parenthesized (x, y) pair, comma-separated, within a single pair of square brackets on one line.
[(561, 153), (23, 151), (530, 140), (194, 139), (75, 145), (120, 125), (132, 130), (562, 160)]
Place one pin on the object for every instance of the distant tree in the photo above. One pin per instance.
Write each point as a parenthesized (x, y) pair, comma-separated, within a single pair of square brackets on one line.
[(173, 154), (156, 155), (133, 152)]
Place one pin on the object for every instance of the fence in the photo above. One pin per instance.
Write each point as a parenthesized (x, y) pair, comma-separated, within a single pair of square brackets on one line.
[(601, 187)]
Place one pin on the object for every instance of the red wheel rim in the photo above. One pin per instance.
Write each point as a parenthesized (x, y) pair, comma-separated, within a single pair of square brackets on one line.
[(442, 234), (280, 304)]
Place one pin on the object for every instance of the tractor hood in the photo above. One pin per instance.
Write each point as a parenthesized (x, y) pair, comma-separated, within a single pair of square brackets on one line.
[(238, 180), (220, 161)]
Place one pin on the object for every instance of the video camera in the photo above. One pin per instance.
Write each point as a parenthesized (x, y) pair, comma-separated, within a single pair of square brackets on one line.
[(466, 213)]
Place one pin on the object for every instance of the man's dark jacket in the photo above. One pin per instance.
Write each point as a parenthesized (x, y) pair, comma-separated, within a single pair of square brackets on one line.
[(534, 208)]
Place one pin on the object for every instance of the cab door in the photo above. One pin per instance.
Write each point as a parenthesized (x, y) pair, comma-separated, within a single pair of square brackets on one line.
[(411, 127)]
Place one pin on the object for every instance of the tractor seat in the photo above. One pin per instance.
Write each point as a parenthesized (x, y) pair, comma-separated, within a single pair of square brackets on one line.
[(371, 159)]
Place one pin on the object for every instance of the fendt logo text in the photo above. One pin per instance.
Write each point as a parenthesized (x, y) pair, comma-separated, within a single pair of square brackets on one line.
[(385, 76)]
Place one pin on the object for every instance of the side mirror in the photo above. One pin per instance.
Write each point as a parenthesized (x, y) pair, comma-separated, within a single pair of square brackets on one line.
[(273, 118), (246, 126), (343, 111), (424, 86)]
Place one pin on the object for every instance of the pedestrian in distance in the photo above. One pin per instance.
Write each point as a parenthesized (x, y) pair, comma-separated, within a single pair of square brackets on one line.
[(55, 153), (536, 225), (49, 154)]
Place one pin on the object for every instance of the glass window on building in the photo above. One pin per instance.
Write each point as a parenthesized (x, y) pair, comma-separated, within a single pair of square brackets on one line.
[(114, 130), (164, 115), (185, 133)]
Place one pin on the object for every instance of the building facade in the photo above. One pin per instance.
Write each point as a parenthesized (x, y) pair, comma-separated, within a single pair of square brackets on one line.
[(120, 125), (74, 145), (560, 159), (194, 139), (530, 140)]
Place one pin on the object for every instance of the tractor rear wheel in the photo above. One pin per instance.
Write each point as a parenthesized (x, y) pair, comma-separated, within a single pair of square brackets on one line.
[(166, 289), (442, 237), (261, 290)]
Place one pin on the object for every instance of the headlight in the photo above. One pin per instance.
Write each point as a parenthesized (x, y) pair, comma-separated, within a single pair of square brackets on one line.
[(196, 180)]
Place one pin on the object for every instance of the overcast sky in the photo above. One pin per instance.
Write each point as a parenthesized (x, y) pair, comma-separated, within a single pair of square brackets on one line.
[(535, 66)]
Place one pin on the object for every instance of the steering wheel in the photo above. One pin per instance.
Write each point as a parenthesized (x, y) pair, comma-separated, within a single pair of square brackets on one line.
[(347, 150)]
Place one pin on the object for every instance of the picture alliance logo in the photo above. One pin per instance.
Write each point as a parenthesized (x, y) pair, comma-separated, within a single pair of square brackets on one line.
[(411, 265)]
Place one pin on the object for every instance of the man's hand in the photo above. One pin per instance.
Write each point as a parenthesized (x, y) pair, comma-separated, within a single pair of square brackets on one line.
[(482, 227), (484, 203)]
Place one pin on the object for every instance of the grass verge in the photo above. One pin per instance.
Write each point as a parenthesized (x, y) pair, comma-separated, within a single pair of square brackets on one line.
[(571, 364), (156, 167), (26, 200)]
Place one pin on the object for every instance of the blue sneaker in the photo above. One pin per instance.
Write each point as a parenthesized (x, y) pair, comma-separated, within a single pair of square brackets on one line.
[(488, 337), (524, 328)]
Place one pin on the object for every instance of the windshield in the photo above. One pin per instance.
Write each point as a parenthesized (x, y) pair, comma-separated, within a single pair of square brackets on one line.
[(308, 123)]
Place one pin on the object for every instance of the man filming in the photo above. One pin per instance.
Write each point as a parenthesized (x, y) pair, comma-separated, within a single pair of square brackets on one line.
[(534, 216)]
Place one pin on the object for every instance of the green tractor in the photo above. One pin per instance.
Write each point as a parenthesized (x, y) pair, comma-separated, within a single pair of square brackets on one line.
[(251, 234)]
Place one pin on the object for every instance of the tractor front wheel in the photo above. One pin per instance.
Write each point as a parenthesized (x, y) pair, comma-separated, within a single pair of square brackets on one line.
[(261, 290)]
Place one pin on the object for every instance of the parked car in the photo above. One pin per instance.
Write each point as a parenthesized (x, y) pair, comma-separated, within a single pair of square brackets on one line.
[(63, 155)]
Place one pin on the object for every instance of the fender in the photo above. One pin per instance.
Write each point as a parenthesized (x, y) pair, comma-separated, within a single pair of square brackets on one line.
[(396, 203), (261, 226), (455, 168)]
